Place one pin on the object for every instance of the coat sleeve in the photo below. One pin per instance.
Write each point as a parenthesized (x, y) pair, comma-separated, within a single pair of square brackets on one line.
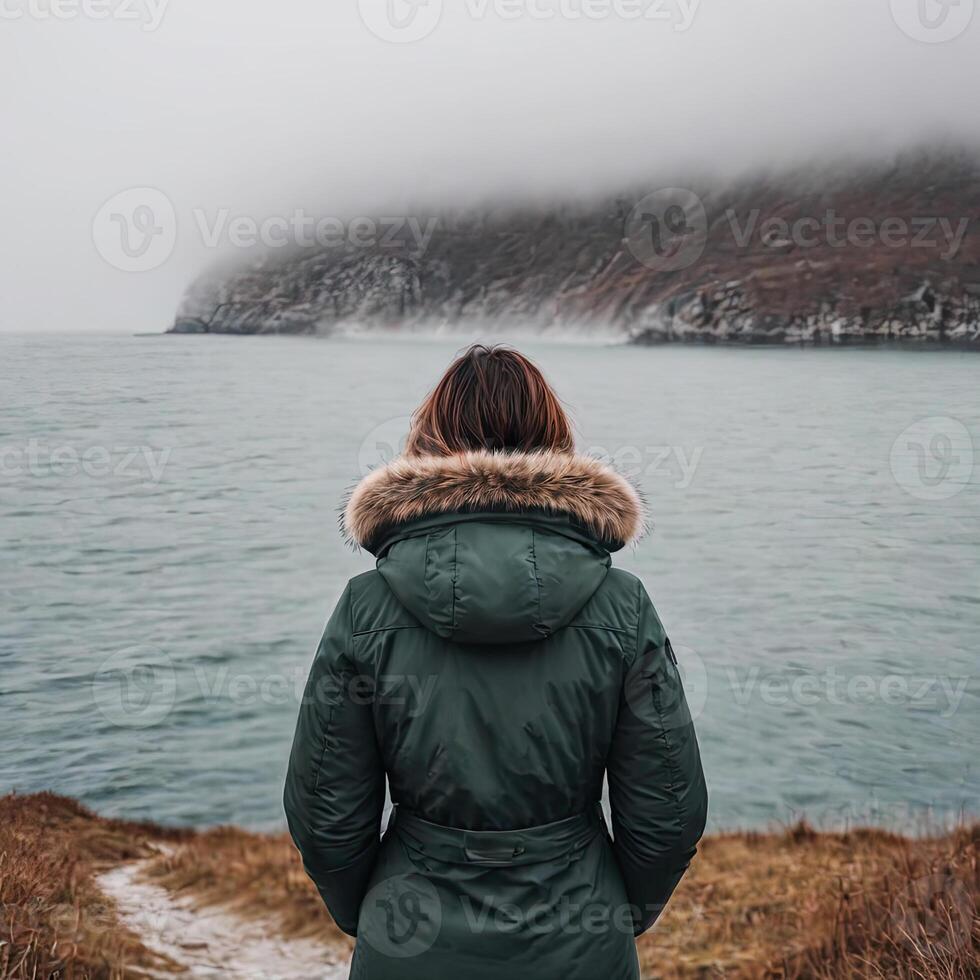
[(335, 782), (657, 791)]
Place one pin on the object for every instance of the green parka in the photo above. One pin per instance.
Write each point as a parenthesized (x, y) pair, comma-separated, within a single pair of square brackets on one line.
[(495, 668)]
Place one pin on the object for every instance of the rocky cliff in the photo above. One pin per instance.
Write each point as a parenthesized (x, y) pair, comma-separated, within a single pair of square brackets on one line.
[(876, 255)]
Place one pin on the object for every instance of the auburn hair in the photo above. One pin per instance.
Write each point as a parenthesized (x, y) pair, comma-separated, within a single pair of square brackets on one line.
[(490, 398)]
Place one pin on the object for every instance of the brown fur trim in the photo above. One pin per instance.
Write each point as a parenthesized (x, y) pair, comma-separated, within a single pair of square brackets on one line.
[(411, 487)]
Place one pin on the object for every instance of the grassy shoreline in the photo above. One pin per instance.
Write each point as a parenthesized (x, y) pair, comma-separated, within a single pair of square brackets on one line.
[(794, 904)]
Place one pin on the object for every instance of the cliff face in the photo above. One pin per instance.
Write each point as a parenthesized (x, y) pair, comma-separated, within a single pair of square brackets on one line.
[(875, 256)]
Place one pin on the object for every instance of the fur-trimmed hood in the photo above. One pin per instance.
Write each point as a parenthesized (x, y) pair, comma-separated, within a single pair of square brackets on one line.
[(593, 495)]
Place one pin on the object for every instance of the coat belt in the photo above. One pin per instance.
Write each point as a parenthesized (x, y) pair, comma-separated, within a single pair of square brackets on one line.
[(491, 848)]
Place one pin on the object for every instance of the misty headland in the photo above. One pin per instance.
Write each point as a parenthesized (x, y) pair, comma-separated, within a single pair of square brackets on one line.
[(859, 254)]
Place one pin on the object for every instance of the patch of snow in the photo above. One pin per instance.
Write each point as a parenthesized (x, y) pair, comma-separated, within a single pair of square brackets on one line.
[(209, 943)]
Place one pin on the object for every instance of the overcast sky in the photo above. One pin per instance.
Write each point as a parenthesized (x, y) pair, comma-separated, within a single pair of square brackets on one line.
[(256, 108)]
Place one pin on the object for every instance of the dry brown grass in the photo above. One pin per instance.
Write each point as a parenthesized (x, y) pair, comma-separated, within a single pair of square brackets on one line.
[(255, 875), (793, 905), (54, 922), (801, 905)]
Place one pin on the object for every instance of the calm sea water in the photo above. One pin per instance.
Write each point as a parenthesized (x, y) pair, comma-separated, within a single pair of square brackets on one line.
[(169, 550)]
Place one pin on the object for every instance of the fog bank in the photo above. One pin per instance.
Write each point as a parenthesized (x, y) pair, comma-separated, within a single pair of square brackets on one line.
[(263, 108)]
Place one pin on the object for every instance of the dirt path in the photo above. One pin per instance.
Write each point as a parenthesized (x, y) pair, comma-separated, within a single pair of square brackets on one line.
[(209, 943)]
